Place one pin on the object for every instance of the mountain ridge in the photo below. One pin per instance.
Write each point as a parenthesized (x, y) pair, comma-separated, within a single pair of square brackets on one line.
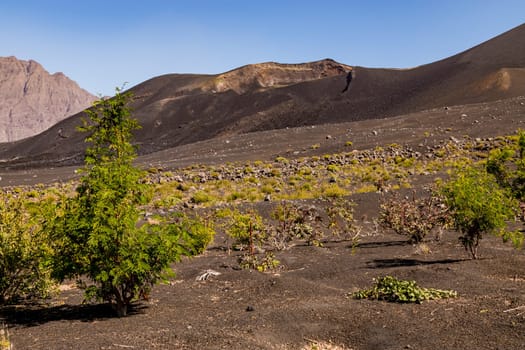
[(180, 109), (34, 100)]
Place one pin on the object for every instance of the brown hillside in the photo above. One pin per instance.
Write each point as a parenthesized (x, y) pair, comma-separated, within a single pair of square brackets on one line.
[(32, 100), (179, 109)]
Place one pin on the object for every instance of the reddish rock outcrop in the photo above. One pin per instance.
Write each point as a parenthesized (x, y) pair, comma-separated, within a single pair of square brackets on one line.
[(32, 100)]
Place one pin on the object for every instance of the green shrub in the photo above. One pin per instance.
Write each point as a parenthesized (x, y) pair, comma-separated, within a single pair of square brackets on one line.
[(201, 197), (333, 191), (252, 261), (246, 229), (281, 159), (198, 231), (235, 196), (478, 205), (333, 168), (25, 252), (389, 288), (98, 238)]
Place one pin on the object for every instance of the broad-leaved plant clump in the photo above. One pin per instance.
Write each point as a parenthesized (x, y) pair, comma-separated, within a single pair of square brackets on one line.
[(391, 289)]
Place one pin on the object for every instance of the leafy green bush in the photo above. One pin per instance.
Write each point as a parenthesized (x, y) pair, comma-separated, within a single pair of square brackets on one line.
[(389, 288), (198, 231), (507, 164), (246, 229), (98, 238), (201, 197), (333, 191), (252, 261), (24, 248), (478, 205)]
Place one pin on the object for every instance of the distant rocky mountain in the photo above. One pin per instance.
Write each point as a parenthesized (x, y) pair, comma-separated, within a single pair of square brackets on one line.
[(181, 109), (32, 100)]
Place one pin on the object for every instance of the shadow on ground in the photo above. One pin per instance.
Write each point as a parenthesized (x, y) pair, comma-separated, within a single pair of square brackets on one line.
[(35, 315), (386, 263)]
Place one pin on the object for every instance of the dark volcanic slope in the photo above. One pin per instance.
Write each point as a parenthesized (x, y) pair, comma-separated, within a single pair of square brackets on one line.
[(181, 109)]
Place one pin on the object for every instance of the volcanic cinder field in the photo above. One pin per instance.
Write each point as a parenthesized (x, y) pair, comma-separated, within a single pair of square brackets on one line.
[(301, 112)]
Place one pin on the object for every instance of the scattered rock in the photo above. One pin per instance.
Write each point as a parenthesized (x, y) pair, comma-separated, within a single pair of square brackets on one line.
[(206, 275), (455, 140)]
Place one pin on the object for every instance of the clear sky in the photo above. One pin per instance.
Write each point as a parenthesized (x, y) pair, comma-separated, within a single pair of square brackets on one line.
[(102, 44)]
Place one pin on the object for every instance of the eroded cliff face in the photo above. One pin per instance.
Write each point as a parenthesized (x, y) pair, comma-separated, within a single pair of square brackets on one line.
[(32, 100)]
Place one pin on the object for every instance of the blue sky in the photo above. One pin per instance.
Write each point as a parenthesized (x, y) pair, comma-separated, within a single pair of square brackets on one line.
[(102, 44)]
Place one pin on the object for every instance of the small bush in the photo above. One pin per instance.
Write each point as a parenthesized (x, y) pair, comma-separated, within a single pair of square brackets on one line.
[(252, 261), (199, 232), (390, 289), (246, 229), (341, 221), (333, 191), (478, 205), (5, 342), (281, 159), (294, 222), (413, 217), (201, 197), (333, 168)]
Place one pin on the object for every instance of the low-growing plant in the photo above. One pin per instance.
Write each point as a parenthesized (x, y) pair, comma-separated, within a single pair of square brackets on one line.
[(281, 159), (333, 190), (333, 168), (252, 261), (198, 229), (412, 216), (246, 229), (201, 197), (294, 222), (5, 342), (341, 223), (391, 289)]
